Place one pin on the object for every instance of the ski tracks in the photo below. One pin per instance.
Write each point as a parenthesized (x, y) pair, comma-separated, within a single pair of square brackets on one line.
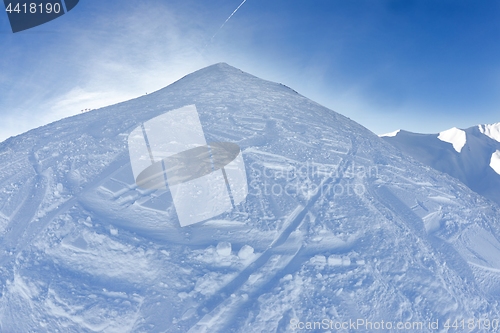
[(218, 313), (19, 222), (22, 228)]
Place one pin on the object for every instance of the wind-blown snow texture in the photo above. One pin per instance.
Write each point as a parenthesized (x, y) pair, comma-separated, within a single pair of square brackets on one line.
[(84, 250), (468, 155)]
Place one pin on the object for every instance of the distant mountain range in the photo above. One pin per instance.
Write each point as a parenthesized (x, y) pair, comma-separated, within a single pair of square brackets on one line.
[(471, 155)]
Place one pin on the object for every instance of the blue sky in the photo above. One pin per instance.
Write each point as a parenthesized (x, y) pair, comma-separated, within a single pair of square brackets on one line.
[(423, 66)]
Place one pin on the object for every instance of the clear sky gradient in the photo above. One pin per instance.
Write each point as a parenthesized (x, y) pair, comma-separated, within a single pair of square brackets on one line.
[(423, 65)]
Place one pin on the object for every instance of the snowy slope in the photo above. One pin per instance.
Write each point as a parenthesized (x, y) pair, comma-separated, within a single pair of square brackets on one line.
[(358, 230), (469, 155)]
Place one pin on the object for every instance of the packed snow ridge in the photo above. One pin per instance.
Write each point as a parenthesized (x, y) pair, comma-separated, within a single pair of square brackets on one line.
[(493, 131), (392, 134), (455, 136)]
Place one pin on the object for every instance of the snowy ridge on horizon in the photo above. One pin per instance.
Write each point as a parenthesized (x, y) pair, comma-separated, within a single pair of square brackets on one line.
[(338, 224), (473, 160), (391, 134), (491, 130)]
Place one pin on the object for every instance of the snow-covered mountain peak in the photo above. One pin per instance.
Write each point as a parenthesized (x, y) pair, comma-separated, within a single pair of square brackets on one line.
[(337, 223), (492, 131), (212, 76), (455, 136)]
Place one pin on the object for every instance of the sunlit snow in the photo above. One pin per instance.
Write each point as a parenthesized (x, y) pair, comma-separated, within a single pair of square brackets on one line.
[(493, 131), (495, 161), (391, 134), (455, 136)]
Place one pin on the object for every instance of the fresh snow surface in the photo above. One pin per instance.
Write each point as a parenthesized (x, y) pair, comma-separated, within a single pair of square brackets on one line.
[(455, 136), (493, 131), (495, 161), (392, 134), (338, 225)]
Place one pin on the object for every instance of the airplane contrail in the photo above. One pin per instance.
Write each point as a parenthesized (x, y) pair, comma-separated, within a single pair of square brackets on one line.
[(241, 4)]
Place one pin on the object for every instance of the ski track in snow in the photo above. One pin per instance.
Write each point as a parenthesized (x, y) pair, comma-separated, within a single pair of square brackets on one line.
[(218, 303), (20, 221), (23, 229)]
